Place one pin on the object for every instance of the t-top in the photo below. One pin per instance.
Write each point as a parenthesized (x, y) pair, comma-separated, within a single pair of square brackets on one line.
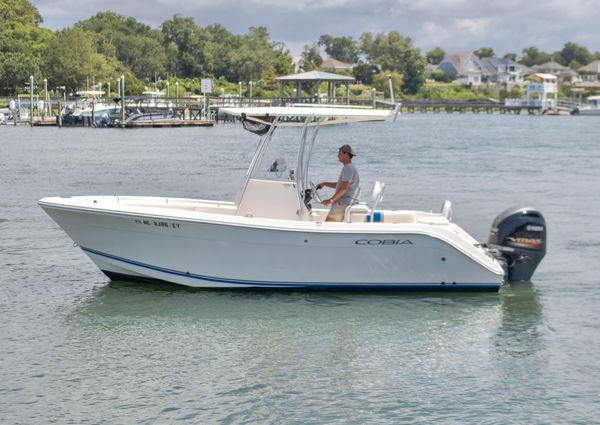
[(349, 174)]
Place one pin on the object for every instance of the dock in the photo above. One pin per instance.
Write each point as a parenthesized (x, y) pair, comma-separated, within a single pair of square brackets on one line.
[(169, 123), (463, 106)]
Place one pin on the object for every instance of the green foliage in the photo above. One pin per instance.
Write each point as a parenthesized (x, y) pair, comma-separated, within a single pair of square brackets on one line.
[(21, 44), (214, 51), (394, 52), (435, 56), (18, 12), (343, 49), (71, 59), (511, 56), (365, 72), (534, 56), (135, 45), (15, 70), (254, 57), (312, 57), (574, 55), (452, 91), (440, 76), (514, 93), (381, 83), (485, 52), (360, 91)]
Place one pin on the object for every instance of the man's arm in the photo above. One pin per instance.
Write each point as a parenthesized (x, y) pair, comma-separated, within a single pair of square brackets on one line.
[(327, 184), (338, 194)]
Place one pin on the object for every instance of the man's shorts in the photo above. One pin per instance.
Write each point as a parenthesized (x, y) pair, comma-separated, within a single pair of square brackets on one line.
[(337, 211)]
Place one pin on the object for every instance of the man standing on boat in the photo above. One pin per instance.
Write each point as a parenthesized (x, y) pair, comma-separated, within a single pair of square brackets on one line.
[(346, 188)]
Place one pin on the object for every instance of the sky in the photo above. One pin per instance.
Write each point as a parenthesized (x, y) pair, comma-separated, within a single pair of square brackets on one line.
[(507, 26)]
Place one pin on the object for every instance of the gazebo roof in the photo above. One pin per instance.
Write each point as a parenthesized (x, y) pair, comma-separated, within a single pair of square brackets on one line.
[(315, 76)]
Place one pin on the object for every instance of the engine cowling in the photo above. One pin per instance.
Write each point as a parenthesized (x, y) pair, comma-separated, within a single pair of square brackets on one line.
[(519, 236)]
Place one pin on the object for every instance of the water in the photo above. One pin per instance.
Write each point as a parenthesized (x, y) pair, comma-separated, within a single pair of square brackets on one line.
[(77, 349)]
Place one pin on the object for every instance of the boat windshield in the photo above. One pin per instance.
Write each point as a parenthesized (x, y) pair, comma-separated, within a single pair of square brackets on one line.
[(279, 159)]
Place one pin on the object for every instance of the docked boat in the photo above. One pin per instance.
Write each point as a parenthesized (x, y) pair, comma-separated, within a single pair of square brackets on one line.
[(592, 108), (275, 234), (89, 109)]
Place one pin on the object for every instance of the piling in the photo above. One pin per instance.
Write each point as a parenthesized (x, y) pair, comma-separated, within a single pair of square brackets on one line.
[(31, 100), (122, 84)]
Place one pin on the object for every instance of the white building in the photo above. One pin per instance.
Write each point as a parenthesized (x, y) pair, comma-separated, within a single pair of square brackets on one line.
[(543, 88)]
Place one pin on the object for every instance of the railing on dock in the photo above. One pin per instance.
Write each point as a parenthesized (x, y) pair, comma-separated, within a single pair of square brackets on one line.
[(193, 109)]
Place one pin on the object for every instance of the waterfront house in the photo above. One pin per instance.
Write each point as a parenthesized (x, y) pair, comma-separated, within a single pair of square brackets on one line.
[(505, 71), (563, 73), (590, 72), (334, 65), (467, 68)]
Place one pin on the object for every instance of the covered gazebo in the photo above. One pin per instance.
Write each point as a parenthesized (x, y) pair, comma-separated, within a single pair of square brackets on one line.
[(316, 77)]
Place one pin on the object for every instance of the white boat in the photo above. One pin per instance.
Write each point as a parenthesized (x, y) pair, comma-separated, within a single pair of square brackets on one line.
[(592, 108), (90, 105), (273, 237)]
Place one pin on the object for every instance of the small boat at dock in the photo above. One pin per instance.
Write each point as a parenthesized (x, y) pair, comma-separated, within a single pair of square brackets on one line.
[(592, 108)]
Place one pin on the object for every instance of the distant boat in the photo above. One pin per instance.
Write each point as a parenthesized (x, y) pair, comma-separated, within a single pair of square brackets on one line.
[(592, 108), (90, 103)]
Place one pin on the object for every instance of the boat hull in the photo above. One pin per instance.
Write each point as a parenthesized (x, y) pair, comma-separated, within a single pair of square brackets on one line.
[(595, 111), (211, 254)]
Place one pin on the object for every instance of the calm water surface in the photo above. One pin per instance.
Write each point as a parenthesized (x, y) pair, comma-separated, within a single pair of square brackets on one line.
[(77, 349)]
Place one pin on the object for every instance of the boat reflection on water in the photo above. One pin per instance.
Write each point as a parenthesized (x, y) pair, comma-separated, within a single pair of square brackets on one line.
[(516, 311), (520, 330)]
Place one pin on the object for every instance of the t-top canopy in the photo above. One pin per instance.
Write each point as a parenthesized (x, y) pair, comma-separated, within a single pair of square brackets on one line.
[(315, 76), (361, 114)]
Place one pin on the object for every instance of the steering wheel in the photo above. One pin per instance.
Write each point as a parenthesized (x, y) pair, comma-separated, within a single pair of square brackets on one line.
[(315, 194)]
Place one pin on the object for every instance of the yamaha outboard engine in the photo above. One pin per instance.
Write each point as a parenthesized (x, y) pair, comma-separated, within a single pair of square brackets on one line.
[(519, 235)]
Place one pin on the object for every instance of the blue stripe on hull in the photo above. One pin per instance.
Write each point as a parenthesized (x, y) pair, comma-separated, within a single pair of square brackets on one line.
[(271, 284)]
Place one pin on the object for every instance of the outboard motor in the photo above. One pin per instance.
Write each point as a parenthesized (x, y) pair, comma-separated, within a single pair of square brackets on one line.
[(519, 235)]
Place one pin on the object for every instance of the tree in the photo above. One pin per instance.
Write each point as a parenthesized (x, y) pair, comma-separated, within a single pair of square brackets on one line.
[(511, 56), (533, 56), (340, 48), (18, 12), (136, 45), (21, 44), (190, 42), (485, 52), (219, 44), (365, 72), (312, 57), (15, 69), (71, 59), (440, 76), (394, 52), (572, 53), (381, 83), (255, 55), (435, 56)]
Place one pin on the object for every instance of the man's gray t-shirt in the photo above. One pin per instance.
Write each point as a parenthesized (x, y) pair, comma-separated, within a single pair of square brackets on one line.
[(350, 174)]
